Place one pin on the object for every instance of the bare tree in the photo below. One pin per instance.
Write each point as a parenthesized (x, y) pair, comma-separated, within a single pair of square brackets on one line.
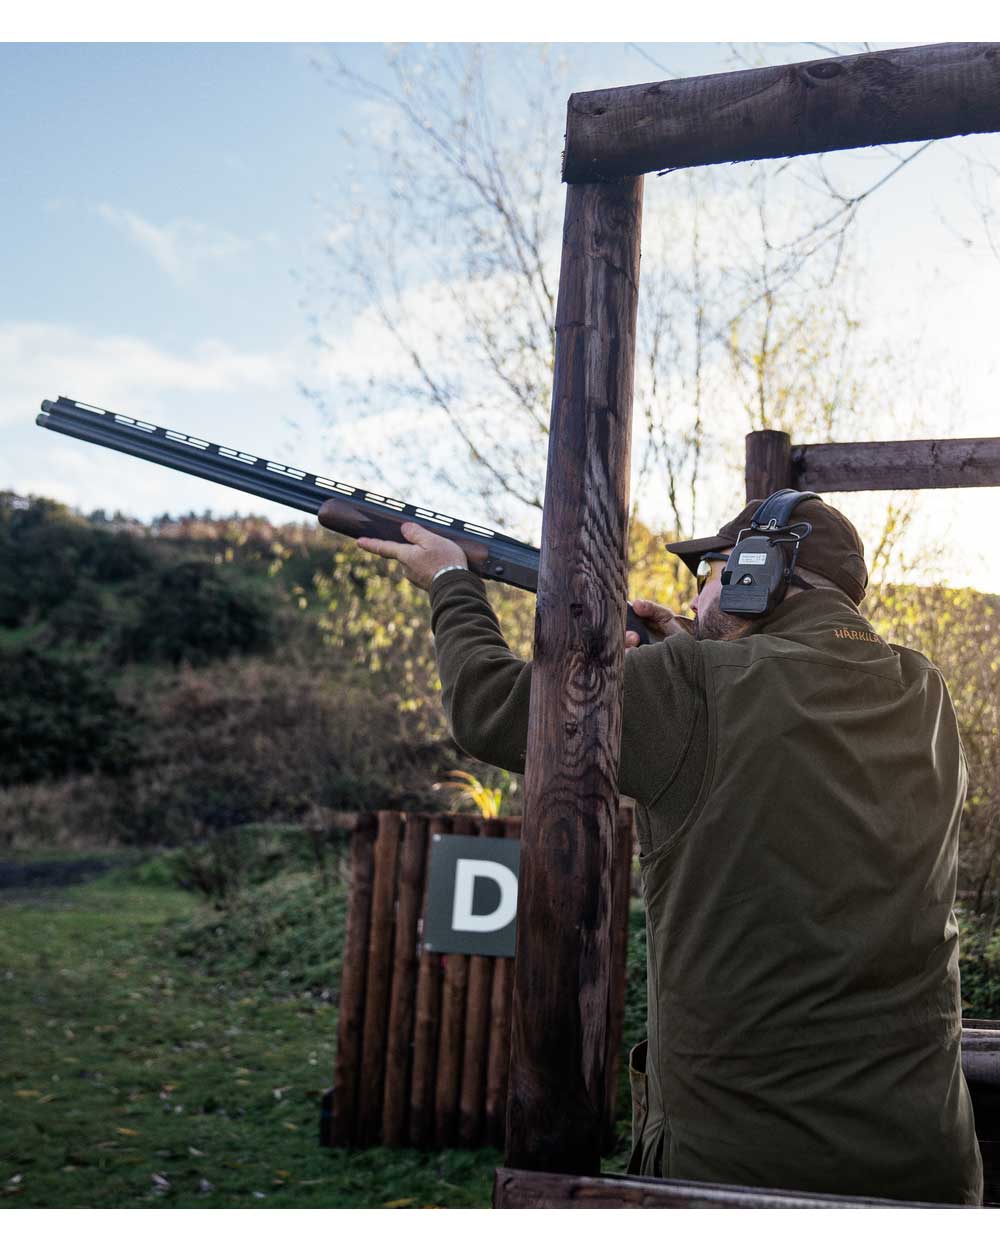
[(747, 308)]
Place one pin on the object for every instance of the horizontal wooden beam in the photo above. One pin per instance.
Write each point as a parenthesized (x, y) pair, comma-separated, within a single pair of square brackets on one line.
[(929, 92), (515, 1189), (910, 464)]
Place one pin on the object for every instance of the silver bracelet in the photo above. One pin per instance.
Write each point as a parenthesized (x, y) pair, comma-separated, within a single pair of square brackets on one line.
[(464, 568)]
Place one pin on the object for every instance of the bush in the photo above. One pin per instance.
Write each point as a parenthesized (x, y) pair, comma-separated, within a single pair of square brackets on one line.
[(60, 715), (193, 612), (980, 965), (230, 860), (249, 741)]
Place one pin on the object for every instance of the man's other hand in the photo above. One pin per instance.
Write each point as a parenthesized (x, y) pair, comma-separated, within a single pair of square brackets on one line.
[(660, 622), (421, 556)]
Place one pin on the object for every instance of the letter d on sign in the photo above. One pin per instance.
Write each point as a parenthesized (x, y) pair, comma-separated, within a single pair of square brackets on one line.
[(451, 922), (463, 918)]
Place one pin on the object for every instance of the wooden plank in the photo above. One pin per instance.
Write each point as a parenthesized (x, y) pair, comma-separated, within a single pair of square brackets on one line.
[(472, 1098), (562, 969), (514, 1189), (399, 1046), (451, 1040), (893, 96), (430, 975), (379, 980), (768, 463), (620, 898), (906, 464), (498, 1057), (342, 1125)]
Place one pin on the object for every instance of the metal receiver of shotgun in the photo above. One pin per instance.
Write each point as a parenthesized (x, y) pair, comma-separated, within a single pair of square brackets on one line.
[(349, 510)]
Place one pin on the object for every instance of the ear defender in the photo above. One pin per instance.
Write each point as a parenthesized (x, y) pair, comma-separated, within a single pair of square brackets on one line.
[(761, 566)]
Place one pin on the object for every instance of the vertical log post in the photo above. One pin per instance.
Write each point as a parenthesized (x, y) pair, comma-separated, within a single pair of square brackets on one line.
[(451, 1038), (562, 970), (769, 463), (344, 1111), (471, 1103), (498, 1056), (395, 1110), (430, 975), (378, 981)]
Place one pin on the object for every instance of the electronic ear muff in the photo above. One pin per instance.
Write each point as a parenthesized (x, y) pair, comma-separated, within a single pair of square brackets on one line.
[(761, 566)]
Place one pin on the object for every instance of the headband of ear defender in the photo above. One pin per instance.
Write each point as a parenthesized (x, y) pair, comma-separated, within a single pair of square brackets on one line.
[(761, 565)]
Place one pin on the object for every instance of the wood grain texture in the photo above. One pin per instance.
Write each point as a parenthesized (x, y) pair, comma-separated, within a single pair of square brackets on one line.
[(351, 1007), (451, 1039), (620, 899), (768, 463), (906, 464), (472, 1098), (427, 1022), (378, 980), (891, 96), (562, 972), (399, 1056), (523, 1189), (498, 1046)]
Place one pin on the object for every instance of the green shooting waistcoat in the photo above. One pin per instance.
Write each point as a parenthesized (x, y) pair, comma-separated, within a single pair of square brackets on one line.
[(804, 1008), (798, 800)]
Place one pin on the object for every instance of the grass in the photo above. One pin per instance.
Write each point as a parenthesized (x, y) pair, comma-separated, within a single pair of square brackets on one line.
[(140, 1070)]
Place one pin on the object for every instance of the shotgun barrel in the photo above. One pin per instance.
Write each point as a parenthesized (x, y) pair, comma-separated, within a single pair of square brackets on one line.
[(346, 509)]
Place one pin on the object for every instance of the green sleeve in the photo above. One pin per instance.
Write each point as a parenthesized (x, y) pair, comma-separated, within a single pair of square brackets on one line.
[(486, 691)]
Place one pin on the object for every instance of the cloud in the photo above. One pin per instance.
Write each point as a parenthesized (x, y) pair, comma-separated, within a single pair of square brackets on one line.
[(37, 359), (181, 247)]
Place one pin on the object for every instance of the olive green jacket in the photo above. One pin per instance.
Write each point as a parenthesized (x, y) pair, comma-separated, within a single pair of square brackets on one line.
[(799, 793)]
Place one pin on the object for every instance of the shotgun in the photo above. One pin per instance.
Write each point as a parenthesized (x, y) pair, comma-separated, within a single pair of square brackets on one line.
[(345, 509)]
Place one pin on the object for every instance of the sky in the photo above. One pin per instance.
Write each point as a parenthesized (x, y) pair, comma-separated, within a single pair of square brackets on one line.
[(164, 204)]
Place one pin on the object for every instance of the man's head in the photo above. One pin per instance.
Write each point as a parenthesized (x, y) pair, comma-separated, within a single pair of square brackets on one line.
[(832, 553)]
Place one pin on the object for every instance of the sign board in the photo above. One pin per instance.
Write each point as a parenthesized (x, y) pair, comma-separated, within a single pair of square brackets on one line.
[(471, 895)]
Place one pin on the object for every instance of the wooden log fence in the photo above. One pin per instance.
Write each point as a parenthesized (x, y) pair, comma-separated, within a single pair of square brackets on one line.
[(423, 1039)]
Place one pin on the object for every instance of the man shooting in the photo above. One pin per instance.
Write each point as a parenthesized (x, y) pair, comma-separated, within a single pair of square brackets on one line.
[(799, 784)]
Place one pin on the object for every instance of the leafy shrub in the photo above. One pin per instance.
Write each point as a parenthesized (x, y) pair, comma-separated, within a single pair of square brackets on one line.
[(194, 612), (45, 550), (980, 965), (230, 860), (60, 715)]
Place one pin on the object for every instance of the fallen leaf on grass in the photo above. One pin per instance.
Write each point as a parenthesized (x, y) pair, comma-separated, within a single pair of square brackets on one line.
[(128, 1132), (195, 1152), (28, 1093), (160, 1181), (290, 1125), (281, 1172), (399, 1202)]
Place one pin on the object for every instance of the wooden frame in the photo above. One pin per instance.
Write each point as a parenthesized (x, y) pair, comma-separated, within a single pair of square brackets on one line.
[(568, 880)]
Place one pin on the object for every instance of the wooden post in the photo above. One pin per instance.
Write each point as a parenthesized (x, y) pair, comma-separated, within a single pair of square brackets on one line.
[(379, 980), (562, 970), (344, 1111), (404, 979), (768, 463), (498, 1055), (448, 1085), (891, 96), (472, 1099), (906, 464), (621, 898), (430, 975)]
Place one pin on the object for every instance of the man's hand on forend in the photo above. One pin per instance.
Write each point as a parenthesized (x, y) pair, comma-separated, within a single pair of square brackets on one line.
[(660, 622), (421, 556)]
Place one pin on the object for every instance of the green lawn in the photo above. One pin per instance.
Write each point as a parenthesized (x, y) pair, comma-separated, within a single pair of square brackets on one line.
[(132, 1077)]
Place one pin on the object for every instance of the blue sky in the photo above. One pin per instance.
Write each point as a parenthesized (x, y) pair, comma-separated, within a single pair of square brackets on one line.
[(162, 204)]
